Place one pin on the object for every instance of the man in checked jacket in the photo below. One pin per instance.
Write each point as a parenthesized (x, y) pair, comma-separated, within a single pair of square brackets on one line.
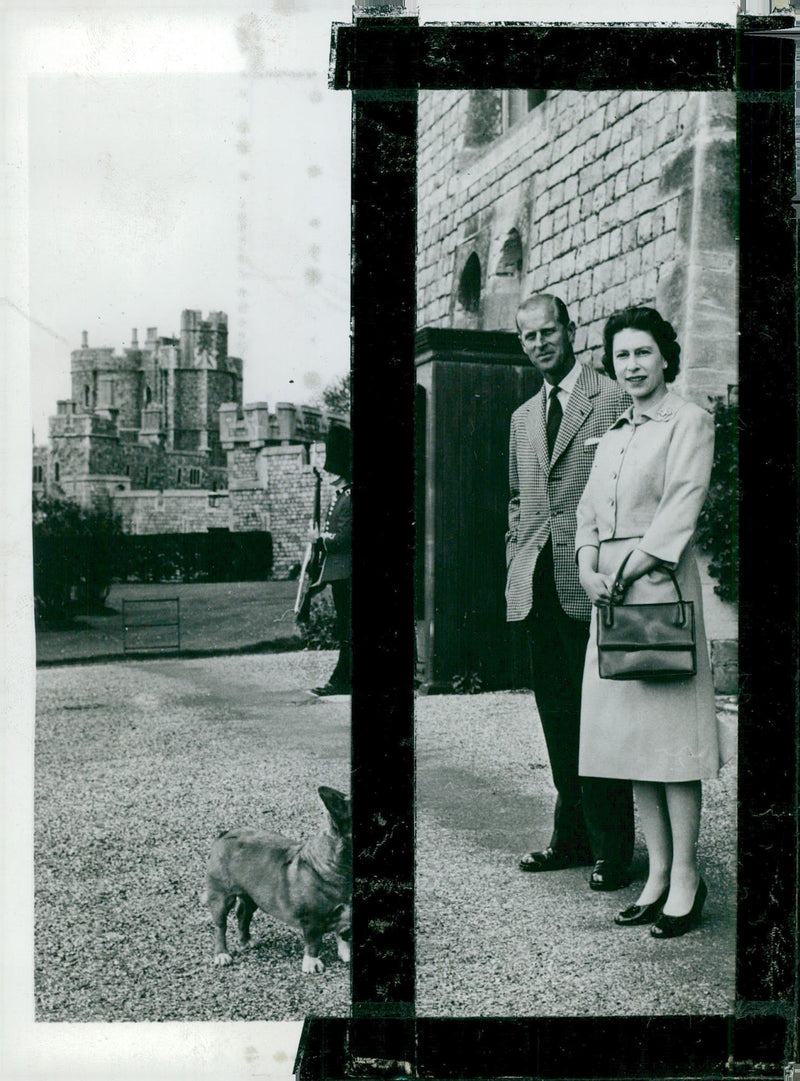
[(553, 439)]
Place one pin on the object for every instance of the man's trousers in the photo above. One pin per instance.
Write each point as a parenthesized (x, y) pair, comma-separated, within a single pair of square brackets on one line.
[(593, 815)]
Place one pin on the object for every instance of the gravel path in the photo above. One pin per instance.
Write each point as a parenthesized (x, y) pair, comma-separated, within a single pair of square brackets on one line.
[(136, 767), (492, 941)]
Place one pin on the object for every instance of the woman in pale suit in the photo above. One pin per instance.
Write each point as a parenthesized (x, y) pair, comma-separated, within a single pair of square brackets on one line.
[(645, 492)]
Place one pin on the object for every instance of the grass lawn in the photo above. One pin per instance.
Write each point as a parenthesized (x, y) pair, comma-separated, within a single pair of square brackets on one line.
[(214, 616)]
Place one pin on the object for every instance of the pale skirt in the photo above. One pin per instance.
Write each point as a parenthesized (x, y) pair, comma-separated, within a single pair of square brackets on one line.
[(650, 730)]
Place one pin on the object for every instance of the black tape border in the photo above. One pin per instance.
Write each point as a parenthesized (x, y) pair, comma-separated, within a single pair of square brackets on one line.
[(382, 60), (394, 54)]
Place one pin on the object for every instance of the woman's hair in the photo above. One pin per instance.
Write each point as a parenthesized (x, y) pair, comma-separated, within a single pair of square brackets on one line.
[(659, 329)]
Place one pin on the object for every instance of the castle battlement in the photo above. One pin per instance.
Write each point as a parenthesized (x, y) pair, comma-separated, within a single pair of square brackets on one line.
[(69, 422), (255, 426), (161, 432), (166, 389)]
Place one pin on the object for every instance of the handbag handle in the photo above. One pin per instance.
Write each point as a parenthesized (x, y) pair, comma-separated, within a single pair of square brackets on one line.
[(608, 611)]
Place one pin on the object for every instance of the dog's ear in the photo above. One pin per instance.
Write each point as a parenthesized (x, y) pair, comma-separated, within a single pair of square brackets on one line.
[(338, 807)]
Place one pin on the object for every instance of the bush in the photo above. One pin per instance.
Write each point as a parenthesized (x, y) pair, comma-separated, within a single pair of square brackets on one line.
[(319, 630), (76, 556), (467, 683), (216, 556), (718, 526)]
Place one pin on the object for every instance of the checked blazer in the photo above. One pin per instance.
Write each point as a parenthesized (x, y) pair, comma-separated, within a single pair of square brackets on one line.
[(544, 494)]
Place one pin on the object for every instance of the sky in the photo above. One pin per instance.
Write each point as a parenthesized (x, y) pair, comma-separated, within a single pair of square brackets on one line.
[(151, 193)]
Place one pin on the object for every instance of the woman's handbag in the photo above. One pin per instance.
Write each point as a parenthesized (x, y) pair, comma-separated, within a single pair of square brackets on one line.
[(646, 641)]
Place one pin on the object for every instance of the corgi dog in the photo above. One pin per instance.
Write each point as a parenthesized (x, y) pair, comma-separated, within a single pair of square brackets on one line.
[(306, 884)]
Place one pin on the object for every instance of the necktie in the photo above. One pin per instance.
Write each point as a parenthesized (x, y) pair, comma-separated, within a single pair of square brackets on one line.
[(554, 415)]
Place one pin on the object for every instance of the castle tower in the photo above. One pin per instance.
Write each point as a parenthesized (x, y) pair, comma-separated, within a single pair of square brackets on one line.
[(147, 417), (105, 382), (205, 377), (190, 325)]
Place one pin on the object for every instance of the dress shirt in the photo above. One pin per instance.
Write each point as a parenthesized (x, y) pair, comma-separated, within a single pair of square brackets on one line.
[(565, 387)]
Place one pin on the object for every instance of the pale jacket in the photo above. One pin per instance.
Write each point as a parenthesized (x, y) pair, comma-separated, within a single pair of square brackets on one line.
[(649, 480)]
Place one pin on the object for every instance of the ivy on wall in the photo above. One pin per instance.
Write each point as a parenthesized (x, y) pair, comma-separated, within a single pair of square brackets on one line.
[(718, 527)]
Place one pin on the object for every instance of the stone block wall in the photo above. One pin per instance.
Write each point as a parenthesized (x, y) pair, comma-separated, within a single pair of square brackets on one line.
[(106, 374), (199, 393), (290, 489), (270, 489), (93, 458), (248, 424), (222, 387), (266, 481), (191, 395), (171, 511), (604, 198), (69, 444), (154, 467), (249, 498), (128, 399), (39, 462), (611, 198), (200, 335)]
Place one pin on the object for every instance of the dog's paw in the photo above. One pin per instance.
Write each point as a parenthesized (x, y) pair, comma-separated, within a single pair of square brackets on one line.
[(343, 949), (312, 965), (223, 959)]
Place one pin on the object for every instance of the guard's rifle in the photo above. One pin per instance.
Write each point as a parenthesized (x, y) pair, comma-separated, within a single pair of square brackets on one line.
[(313, 559)]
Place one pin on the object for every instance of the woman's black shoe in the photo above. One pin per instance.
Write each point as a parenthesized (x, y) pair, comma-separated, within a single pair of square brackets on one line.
[(636, 915), (673, 926)]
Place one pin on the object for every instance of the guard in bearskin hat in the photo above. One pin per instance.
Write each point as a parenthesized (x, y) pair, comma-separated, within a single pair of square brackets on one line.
[(337, 565)]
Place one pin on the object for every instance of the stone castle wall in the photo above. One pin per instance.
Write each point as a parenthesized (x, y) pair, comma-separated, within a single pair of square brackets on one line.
[(270, 489), (604, 198), (92, 371), (609, 198), (199, 393), (222, 387), (291, 485), (92, 456), (167, 388), (39, 463), (171, 448), (265, 487), (171, 511), (128, 394)]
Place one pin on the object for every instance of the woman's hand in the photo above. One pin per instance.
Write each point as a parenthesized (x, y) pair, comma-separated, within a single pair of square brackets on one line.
[(639, 564), (597, 586)]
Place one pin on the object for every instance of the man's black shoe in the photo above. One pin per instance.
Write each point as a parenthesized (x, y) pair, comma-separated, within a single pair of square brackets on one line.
[(609, 876), (329, 689), (550, 860)]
